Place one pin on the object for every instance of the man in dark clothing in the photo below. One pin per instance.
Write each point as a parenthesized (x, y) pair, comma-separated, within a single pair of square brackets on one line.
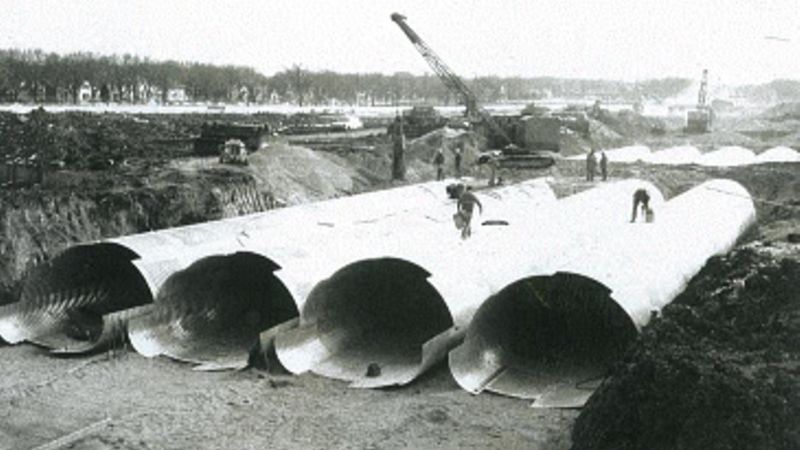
[(590, 165), (604, 165), (466, 204), (457, 161), (438, 160), (640, 197)]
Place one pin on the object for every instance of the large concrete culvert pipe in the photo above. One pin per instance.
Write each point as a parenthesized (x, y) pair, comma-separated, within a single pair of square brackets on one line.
[(212, 312), (300, 255), (371, 320), (75, 302), (383, 320), (548, 336), (64, 301)]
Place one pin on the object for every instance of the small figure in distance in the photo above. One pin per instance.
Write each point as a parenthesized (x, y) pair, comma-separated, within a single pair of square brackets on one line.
[(438, 160), (457, 161), (604, 165), (591, 161), (641, 197)]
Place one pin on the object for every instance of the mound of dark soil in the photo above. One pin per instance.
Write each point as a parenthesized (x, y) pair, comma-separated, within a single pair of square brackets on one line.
[(719, 370)]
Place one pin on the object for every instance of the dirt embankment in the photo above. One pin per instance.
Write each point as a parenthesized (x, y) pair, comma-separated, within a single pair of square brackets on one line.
[(719, 370), (37, 223)]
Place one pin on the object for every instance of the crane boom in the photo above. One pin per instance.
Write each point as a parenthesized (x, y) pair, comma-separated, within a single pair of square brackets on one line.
[(448, 77)]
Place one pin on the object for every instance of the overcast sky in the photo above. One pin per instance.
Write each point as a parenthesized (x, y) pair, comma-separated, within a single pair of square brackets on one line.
[(738, 41)]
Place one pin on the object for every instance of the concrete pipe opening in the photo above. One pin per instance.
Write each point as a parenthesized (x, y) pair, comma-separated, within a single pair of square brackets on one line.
[(373, 318), (63, 301), (542, 333), (212, 312)]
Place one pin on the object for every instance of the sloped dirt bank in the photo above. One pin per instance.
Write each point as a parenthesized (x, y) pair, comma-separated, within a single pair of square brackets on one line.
[(719, 370), (37, 223)]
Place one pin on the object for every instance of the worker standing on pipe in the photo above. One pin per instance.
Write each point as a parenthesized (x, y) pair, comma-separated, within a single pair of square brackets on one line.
[(466, 205), (590, 165), (641, 197)]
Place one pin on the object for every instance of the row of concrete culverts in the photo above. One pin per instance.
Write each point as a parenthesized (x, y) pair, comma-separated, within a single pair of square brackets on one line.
[(376, 288)]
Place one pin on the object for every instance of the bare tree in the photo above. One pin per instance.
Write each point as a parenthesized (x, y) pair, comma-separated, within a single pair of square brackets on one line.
[(300, 82)]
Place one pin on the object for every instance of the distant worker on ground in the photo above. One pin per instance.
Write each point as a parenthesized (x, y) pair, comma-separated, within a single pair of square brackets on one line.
[(465, 206), (494, 165), (398, 150), (604, 165), (438, 160), (591, 162), (457, 161), (641, 197)]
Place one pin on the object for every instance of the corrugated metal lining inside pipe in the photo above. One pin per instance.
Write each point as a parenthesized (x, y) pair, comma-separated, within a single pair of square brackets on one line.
[(397, 307), (203, 314), (545, 336), (63, 301)]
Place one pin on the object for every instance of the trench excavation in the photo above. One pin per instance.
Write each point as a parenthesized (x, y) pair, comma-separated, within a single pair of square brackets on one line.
[(64, 301), (564, 330), (368, 324), (212, 312)]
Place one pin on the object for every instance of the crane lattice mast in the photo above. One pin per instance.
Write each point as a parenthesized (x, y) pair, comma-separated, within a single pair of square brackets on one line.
[(448, 77)]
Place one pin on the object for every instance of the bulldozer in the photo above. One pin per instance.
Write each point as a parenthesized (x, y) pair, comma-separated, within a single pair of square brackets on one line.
[(233, 152)]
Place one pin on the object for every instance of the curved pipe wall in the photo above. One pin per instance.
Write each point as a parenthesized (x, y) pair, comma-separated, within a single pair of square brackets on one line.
[(299, 264), (383, 320), (543, 336), (212, 312), (64, 301)]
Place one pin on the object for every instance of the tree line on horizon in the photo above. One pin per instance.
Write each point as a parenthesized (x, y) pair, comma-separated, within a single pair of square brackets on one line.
[(39, 77)]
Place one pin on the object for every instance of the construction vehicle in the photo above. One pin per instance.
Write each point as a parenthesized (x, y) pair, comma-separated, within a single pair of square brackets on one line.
[(419, 120), (520, 142), (233, 152), (313, 123), (213, 135), (698, 120)]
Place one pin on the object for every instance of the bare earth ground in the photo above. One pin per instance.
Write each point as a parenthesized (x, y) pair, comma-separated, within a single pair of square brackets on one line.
[(161, 404)]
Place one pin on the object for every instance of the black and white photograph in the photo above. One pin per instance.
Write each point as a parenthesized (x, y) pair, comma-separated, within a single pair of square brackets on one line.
[(385, 224)]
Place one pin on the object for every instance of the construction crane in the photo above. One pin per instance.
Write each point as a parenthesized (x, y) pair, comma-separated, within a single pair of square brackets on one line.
[(448, 77), (699, 119), (703, 92), (470, 100)]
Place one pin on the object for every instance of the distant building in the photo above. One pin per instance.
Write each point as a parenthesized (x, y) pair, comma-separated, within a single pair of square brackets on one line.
[(177, 95), (85, 93)]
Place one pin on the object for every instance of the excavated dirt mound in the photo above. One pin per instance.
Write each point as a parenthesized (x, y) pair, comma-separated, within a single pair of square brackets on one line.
[(719, 370), (420, 152), (293, 174)]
